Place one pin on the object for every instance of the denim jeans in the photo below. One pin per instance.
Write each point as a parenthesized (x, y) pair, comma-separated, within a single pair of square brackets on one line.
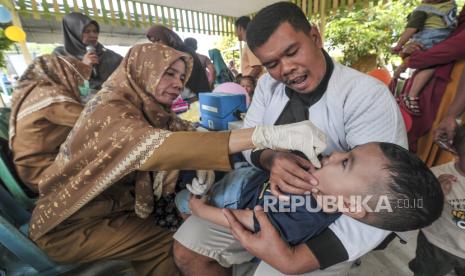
[(225, 193)]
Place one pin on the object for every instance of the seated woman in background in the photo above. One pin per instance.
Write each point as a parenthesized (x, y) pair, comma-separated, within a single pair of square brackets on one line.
[(97, 199), (223, 74), (198, 81), (81, 41), (45, 106)]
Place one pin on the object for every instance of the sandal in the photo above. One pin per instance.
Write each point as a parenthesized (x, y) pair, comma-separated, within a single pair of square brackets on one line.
[(411, 105)]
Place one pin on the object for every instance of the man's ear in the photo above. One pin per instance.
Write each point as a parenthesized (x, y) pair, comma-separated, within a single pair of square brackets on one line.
[(357, 212), (315, 36)]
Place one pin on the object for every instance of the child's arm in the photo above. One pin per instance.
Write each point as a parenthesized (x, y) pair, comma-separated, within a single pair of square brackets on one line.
[(213, 214), (406, 35)]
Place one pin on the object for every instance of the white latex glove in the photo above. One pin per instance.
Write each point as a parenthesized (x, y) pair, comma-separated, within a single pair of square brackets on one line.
[(303, 136), (202, 183)]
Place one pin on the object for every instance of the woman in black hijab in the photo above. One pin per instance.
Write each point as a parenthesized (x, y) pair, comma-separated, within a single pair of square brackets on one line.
[(198, 81), (81, 41)]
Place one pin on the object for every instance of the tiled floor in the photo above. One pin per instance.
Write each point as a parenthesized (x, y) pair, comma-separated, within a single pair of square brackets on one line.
[(390, 262)]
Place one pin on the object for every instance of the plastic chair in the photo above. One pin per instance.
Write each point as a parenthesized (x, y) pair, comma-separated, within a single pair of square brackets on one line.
[(4, 122), (23, 256), (10, 179), (20, 256)]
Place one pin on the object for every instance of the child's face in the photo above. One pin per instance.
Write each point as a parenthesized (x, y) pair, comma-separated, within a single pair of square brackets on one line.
[(352, 173), (248, 85)]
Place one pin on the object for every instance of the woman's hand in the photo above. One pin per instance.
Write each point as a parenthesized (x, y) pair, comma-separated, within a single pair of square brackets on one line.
[(445, 131), (90, 59), (303, 136), (202, 183)]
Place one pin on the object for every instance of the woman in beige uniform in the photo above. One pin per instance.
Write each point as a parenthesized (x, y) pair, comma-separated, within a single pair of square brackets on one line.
[(45, 106), (97, 198)]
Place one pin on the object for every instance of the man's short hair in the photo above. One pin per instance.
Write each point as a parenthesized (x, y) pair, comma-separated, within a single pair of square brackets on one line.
[(191, 43), (242, 21), (413, 191), (270, 18)]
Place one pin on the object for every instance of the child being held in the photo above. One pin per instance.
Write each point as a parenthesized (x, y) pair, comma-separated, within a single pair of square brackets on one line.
[(384, 172), (428, 24), (441, 247)]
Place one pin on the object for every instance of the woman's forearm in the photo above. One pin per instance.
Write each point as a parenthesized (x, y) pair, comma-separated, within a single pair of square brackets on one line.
[(240, 140)]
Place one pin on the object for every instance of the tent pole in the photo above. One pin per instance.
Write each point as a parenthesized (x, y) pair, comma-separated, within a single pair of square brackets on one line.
[(17, 22), (322, 19)]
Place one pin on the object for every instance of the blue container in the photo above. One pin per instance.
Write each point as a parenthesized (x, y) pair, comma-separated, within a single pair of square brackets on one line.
[(218, 109)]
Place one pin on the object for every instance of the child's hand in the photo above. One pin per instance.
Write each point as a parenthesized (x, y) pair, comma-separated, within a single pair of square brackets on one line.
[(446, 181), (196, 203)]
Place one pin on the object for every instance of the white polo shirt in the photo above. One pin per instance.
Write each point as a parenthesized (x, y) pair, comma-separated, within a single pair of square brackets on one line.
[(355, 109)]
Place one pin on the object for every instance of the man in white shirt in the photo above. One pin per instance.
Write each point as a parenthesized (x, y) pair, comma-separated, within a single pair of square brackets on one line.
[(302, 83)]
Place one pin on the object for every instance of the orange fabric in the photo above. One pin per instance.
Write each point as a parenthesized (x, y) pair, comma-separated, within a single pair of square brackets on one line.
[(427, 150), (381, 74)]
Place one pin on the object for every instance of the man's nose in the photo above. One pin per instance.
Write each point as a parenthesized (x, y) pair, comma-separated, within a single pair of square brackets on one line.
[(287, 67)]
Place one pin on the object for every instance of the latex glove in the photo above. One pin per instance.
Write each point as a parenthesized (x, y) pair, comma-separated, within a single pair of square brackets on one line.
[(303, 136), (202, 183)]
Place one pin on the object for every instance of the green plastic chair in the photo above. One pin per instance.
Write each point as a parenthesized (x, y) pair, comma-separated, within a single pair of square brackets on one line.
[(7, 172), (4, 122)]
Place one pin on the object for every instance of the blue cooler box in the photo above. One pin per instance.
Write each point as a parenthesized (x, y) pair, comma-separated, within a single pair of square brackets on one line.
[(217, 109)]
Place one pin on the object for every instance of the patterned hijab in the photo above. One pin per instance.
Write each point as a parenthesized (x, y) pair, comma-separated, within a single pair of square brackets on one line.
[(48, 80), (118, 131)]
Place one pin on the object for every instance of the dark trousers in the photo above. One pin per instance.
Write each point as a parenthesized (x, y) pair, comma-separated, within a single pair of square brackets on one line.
[(431, 260)]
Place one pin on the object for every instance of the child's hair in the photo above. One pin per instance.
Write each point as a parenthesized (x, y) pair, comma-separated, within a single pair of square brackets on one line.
[(414, 193), (250, 78), (459, 139)]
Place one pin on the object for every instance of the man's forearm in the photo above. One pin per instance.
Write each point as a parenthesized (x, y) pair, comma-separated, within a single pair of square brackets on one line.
[(300, 256)]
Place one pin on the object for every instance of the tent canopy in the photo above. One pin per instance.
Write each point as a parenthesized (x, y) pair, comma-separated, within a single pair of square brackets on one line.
[(132, 17)]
